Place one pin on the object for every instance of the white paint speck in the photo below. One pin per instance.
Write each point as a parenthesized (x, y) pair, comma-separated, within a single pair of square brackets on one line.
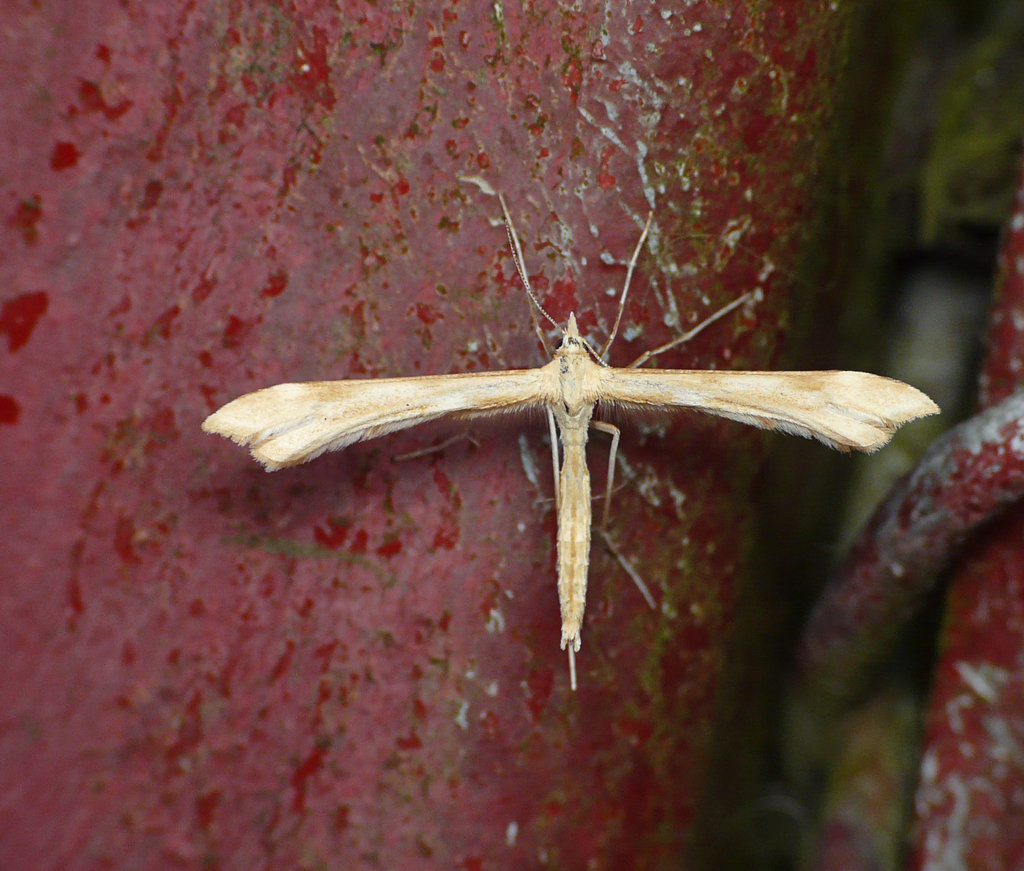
[(495, 621), (929, 767), (984, 680), (606, 130), (526, 458), (511, 833), (461, 720)]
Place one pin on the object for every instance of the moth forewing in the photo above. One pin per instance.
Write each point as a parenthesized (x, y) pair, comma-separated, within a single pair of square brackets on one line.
[(290, 424), (845, 410)]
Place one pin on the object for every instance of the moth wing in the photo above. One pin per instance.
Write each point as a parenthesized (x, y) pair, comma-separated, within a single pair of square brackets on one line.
[(842, 409), (289, 424)]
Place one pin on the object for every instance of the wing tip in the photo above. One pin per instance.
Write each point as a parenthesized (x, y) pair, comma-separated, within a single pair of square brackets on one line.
[(219, 424), (882, 432)]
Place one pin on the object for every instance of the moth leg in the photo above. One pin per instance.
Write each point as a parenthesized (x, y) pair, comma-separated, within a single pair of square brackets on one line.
[(685, 337), (634, 576), (614, 432), (553, 433), (625, 286), (572, 667), (435, 449)]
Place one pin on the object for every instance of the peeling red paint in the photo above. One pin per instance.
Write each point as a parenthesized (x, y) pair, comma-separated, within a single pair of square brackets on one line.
[(162, 325), (203, 288), (309, 767), (541, 683), (390, 548), (276, 284), (124, 537), (236, 330), (334, 536), (151, 194), (284, 661), (427, 314), (74, 596), (572, 78), (19, 316), (91, 99), (605, 178), (448, 534), (189, 732), (206, 807), (172, 101), (312, 78), (410, 742), (64, 156), (359, 542)]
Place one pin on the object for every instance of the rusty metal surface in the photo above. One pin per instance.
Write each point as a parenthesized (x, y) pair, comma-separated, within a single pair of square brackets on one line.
[(355, 663)]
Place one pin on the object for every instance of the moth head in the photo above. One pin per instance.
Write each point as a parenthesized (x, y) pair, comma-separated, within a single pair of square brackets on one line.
[(571, 337)]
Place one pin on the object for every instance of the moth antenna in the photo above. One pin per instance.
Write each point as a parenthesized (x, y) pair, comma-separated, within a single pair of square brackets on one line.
[(517, 258), (593, 352), (544, 343), (625, 286)]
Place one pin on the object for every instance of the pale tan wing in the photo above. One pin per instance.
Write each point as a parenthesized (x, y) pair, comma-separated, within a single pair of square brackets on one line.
[(843, 409), (289, 424)]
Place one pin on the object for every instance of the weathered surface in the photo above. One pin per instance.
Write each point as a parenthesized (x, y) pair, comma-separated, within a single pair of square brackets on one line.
[(355, 663), (966, 478), (969, 804)]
